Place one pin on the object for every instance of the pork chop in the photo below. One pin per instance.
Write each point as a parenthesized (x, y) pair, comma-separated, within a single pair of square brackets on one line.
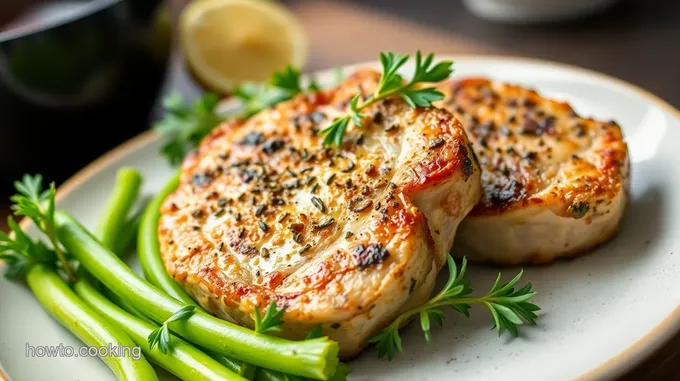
[(343, 238), (555, 183)]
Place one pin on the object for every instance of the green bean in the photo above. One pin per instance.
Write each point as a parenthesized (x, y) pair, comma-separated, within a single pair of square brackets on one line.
[(116, 230), (148, 250), (184, 360), (268, 375), (154, 270), (128, 182), (91, 328), (128, 236), (233, 365), (315, 358)]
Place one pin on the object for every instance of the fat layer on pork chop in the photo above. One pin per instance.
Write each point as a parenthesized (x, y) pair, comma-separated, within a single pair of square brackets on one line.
[(555, 184), (346, 238)]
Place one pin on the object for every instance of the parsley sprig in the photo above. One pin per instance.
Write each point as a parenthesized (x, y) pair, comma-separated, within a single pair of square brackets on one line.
[(187, 125), (161, 335), (20, 252), (392, 84), (38, 205), (509, 308)]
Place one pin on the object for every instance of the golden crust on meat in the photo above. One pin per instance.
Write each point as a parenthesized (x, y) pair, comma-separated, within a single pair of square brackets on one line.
[(523, 141), (554, 184), (264, 213)]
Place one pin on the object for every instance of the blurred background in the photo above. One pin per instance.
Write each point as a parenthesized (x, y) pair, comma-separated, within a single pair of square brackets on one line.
[(79, 77)]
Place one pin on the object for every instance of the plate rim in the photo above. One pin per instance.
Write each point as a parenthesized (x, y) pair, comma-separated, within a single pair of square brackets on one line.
[(616, 365)]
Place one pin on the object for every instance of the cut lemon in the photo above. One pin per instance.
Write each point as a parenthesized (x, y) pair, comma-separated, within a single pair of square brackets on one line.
[(226, 42)]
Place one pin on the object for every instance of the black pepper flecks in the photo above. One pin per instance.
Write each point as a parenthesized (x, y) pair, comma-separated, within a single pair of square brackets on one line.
[(325, 224), (372, 254), (200, 179), (468, 168), (359, 203), (579, 209), (259, 210), (319, 204), (436, 143), (252, 139), (272, 145), (282, 217), (350, 167), (510, 191)]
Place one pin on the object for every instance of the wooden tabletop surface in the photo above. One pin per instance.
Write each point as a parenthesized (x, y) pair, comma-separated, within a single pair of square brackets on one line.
[(636, 41)]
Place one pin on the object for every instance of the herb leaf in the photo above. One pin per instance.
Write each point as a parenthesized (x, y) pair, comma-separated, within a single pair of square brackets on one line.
[(425, 73), (186, 126), (161, 335), (509, 308), (392, 84), (314, 333), (335, 131), (20, 252), (421, 97), (287, 79), (272, 320), (38, 205)]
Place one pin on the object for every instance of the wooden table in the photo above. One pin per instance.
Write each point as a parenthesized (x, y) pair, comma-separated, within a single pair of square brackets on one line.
[(636, 41)]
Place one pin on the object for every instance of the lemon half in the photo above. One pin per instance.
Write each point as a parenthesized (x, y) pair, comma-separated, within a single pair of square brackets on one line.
[(226, 42)]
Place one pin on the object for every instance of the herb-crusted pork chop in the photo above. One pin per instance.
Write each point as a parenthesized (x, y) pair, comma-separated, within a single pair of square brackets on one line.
[(555, 184), (346, 238)]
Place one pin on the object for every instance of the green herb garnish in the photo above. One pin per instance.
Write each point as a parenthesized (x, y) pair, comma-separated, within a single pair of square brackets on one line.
[(187, 125), (509, 308), (20, 252), (161, 335), (38, 205), (392, 84), (271, 321)]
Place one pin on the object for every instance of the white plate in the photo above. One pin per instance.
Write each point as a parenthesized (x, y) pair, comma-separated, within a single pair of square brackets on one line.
[(602, 313)]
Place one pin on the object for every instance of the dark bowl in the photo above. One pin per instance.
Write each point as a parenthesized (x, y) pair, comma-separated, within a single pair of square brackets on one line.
[(74, 87)]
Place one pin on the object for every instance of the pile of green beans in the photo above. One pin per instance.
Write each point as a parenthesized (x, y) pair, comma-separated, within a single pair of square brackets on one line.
[(161, 296), (59, 300), (184, 361), (110, 304)]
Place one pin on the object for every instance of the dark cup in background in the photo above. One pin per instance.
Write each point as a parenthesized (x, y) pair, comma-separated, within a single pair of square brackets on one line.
[(74, 87)]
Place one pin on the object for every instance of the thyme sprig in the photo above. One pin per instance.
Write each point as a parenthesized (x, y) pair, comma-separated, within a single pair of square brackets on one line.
[(392, 84), (509, 308)]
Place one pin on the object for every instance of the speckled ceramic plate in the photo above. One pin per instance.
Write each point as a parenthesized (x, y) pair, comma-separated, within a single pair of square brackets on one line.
[(602, 313)]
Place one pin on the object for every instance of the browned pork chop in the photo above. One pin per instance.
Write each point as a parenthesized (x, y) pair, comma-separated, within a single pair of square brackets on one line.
[(555, 184), (345, 238)]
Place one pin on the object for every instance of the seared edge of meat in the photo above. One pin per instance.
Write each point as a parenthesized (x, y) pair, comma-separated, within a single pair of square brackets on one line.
[(555, 183)]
